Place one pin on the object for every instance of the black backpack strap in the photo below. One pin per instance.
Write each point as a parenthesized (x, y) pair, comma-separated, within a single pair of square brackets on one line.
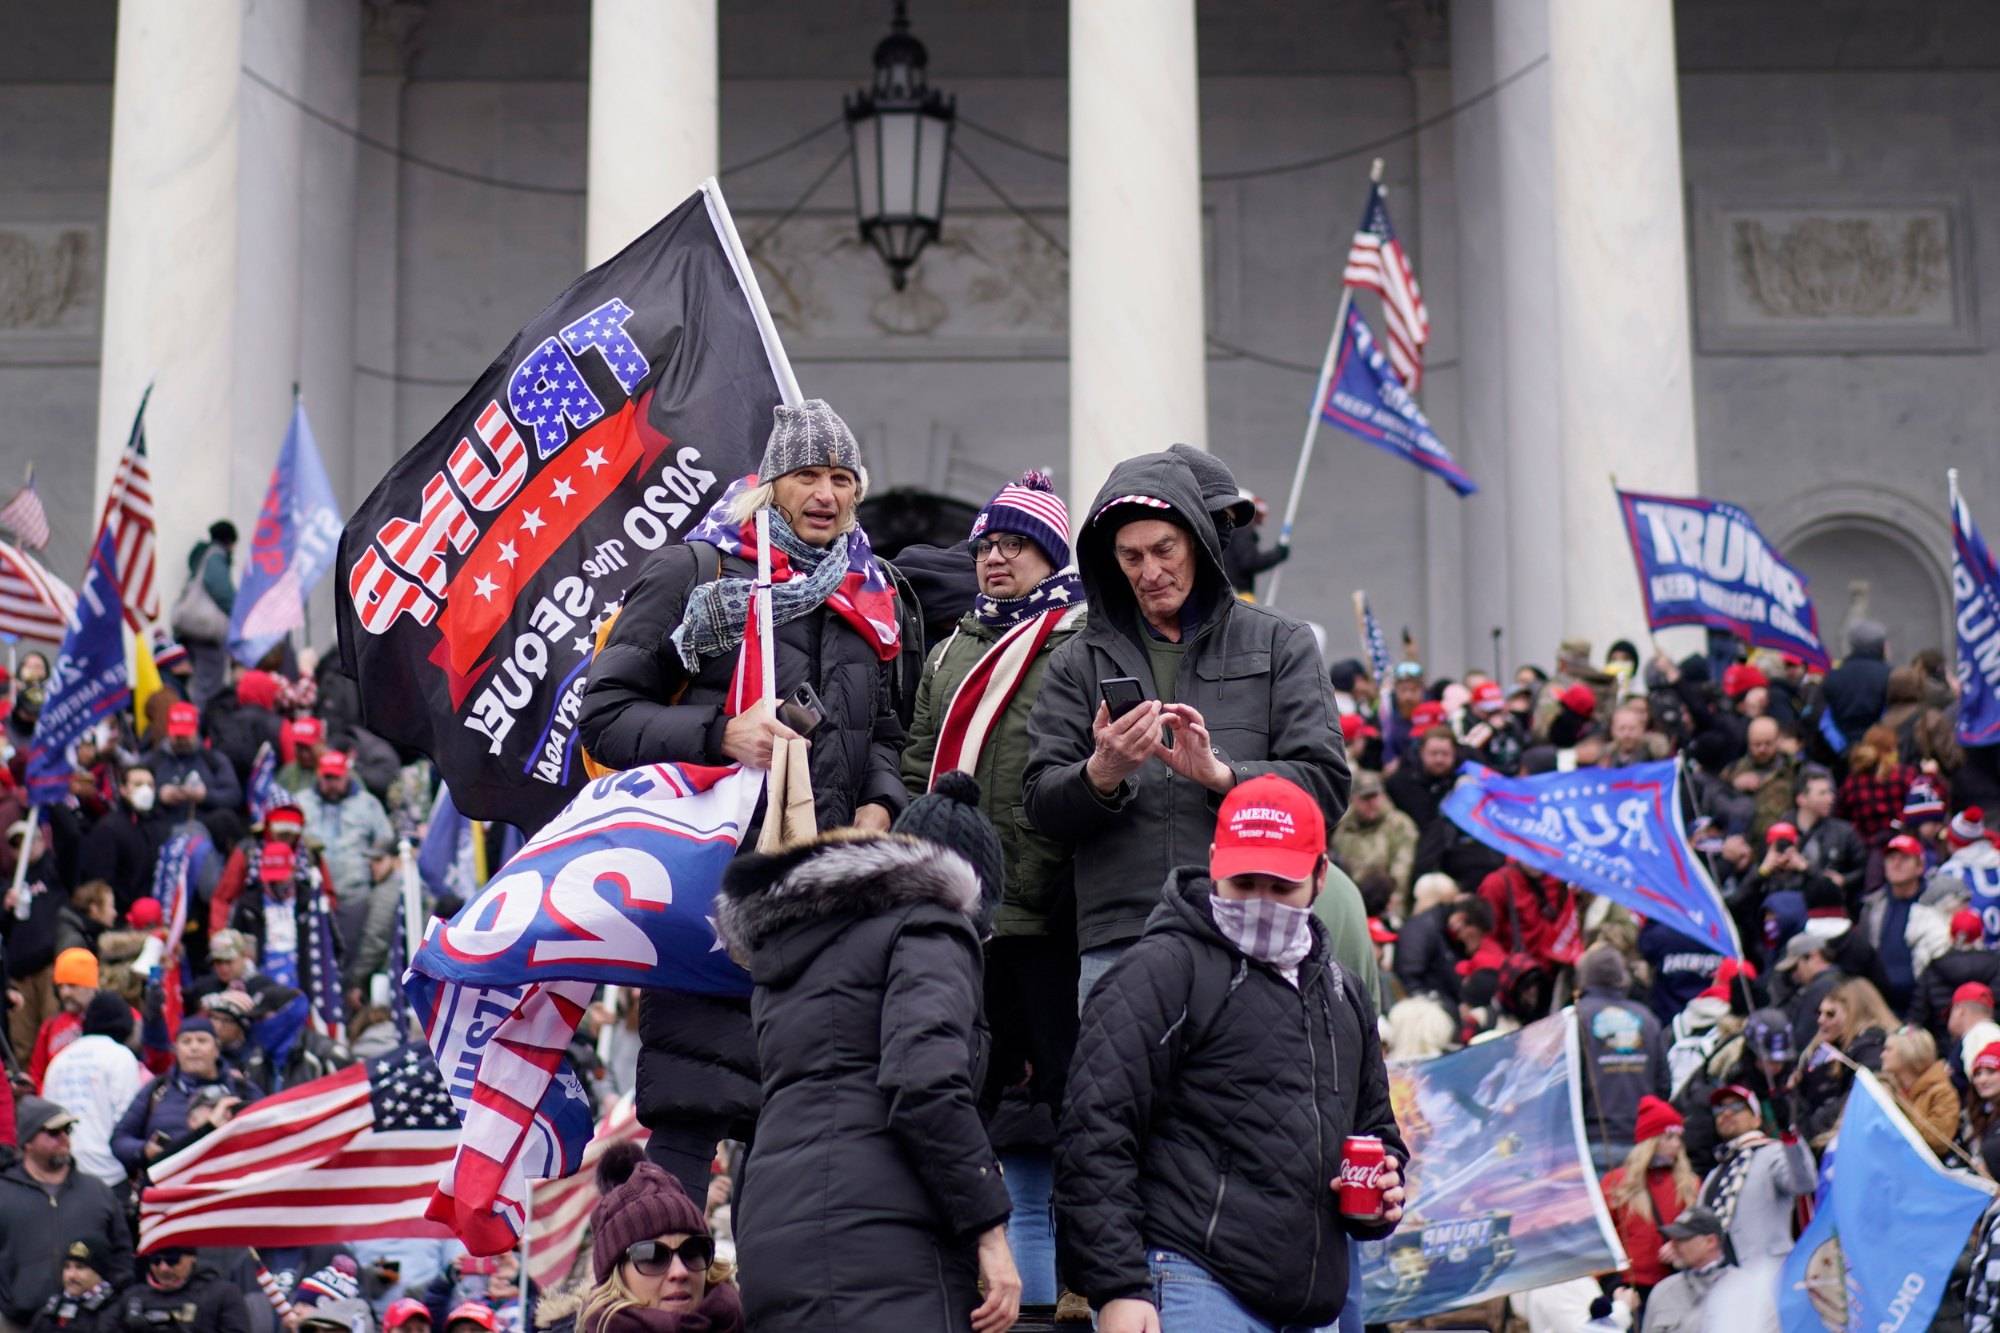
[(707, 562)]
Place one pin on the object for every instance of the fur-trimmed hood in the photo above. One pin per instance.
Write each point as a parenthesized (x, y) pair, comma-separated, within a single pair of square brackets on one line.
[(833, 879)]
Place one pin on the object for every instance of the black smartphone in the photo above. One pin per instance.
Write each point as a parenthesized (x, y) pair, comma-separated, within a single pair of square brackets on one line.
[(1121, 694), (801, 710)]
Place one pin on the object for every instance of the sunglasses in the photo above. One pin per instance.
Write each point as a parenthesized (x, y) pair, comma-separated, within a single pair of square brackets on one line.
[(165, 1258), (654, 1257), (56, 1131)]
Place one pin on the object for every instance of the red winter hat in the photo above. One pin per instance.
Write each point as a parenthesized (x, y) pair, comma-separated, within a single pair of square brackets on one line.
[(1579, 699), (1267, 826), (1486, 696), (1655, 1119), (1741, 678), (1973, 992), (1988, 1057), (183, 719), (1967, 827), (1966, 925)]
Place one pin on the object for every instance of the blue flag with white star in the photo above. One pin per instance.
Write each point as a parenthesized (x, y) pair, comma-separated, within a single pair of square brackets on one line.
[(1364, 397), (1613, 831)]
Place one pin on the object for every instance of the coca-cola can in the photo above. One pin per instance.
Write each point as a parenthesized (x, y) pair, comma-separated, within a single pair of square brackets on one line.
[(1362, 1164)]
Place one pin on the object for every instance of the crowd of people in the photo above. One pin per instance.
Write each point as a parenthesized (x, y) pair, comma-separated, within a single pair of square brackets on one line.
[(1120, 899)]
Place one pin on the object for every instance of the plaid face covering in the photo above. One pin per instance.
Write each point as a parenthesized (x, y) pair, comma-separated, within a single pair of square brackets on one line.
[(1267, 931)]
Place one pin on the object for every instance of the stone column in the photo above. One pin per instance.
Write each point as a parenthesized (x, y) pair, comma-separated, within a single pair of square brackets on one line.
[(170, 262), (1573, 269), (1626, 387), (1137, 364), (652, 115)]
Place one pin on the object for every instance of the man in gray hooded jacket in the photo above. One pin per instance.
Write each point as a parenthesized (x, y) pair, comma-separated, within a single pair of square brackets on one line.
[(1228, 690)]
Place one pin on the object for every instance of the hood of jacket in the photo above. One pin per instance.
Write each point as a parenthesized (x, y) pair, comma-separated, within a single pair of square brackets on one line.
[(1184, 910), (1161, 477), (776, 912)]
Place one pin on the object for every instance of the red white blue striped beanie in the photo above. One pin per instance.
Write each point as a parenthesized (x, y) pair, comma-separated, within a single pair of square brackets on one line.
[(1031, 508)]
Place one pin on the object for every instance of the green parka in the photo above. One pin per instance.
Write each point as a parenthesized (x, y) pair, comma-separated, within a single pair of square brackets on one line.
[(1038, 869)]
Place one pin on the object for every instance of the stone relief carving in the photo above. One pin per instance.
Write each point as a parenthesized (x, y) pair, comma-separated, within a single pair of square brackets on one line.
[(991, 283), (43, 272), (1857, 267), (1831, 277)]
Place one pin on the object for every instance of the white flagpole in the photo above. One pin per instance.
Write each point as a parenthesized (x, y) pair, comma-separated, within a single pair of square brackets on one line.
[(1312, 412), (21, 905), (767, 666), (413, 906)]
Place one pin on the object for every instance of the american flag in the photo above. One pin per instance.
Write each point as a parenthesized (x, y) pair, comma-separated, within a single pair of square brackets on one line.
[(1371, 636), (562, 1207), (173, 878), (128, 513), (1376, 263), (34, 604), (322, 985), (24, 516), (352, 1156)]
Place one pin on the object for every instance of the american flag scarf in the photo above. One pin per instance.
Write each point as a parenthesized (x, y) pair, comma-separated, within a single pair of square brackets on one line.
[(718, 611), (309, 959), (982, 698)]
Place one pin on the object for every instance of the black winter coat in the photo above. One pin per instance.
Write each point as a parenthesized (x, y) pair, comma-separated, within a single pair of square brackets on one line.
[(697, 1060), (1856, 692), (1254, 675), (871, 1177), (1930, 1007), (204, 1304), (1425, 958), (1219, 1142), (122, 848)]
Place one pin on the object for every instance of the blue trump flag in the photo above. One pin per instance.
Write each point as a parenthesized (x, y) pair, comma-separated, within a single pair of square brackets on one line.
[(297, 532), (1975, 592), (1365, 398), (1614, 831), (89, 681), (1841, 1274), (1703, 562)]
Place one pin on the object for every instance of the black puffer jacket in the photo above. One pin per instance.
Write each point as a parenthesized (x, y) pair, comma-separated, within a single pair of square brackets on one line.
[(697, 1062), (205, 1303), (1254, 675), (1218, 1140), (871, 1177)]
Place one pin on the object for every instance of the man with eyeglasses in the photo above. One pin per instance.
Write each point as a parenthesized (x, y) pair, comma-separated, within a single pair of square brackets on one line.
[(46, 1205), (972, 714), (176, 1292)]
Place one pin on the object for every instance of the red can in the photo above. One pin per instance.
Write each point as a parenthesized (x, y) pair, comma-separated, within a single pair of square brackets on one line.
[(1363, 1163)]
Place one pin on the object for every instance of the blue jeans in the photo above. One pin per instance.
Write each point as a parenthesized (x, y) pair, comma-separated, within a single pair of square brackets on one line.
[(1092, 964), (1190, 1301), (1031, 1231)]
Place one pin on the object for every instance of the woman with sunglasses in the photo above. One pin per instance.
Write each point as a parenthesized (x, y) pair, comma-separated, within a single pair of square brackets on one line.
[(654, 1264)]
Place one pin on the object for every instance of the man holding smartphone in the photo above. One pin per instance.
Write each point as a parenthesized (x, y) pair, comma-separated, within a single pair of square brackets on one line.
[(1228, 690)]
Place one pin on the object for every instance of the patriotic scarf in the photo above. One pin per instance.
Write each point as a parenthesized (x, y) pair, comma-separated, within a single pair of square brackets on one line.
[(1726, 1189), (1064, 588), (298, 945), (845, 576), (982, 698)]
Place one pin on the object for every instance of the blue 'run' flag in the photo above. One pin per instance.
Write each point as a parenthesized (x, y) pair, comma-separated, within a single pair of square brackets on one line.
[(1885, 1176), (1703, 562), (89, 681), (1364, 397), (1614, 831), (1975, 592), (297, 532)]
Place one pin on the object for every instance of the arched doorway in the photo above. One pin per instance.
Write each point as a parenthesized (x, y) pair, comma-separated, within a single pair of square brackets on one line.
[(1906, 592)]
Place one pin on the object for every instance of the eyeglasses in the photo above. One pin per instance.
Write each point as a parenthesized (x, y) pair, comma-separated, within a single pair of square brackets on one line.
[(654, 1257), (1009, 544)]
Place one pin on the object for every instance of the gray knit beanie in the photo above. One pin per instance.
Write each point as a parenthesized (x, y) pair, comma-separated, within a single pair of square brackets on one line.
[(1603, 968), (809, 435)]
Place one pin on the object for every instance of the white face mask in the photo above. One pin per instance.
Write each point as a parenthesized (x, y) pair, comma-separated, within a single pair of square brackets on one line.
[(142, 798)]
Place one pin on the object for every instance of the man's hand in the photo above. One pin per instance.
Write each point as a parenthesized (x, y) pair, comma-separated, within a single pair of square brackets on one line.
[(1002, 1306), (1774, 861), (1128, 1315), (1748, 780), (1122, 746), (1193, 753), (873, 818), (749, 736), (1391, 1178), (172, 793)]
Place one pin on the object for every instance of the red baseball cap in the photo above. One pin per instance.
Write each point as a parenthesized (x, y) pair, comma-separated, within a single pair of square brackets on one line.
[(1353, 727), (1966, 924), (1267, 826), (1428, 714), (1579, 699), (309, 730), (333, 764), (278, 863), (402, 1311), (1781, 832), (1973, 992), (1734, 1092), (1905, 844), (183, 719), (144, 913), (1486, 695), (474, 1311), (1741, 678)]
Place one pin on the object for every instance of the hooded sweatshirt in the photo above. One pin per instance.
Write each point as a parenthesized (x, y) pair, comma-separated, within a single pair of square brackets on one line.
[(1253, 674)]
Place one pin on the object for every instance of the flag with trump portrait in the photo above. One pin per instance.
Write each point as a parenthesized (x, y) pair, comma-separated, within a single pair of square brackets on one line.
[(1613, 831), (473, 578)]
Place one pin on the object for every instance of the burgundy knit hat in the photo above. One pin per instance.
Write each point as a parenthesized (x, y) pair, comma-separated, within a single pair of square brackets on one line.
[(651, 1203)]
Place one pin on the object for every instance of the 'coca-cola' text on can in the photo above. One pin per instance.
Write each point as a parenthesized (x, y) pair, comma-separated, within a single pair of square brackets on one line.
[(1363, 1161)]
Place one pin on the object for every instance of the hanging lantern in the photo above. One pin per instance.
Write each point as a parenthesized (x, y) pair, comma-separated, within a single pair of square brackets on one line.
[(901, 133)]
